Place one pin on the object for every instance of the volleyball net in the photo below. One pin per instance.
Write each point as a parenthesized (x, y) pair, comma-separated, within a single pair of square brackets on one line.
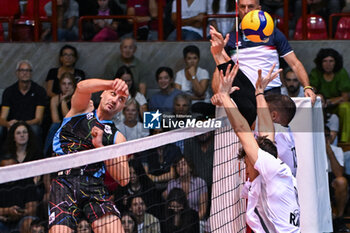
[(157, 167)]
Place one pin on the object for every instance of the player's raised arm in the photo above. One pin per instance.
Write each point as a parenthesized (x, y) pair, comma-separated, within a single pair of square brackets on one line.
[(82, 95), (265, 124), (238, 122)]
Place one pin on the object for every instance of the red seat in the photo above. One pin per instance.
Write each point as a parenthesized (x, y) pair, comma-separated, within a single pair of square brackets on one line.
[(278, 20), (9, 8), (316, 28), (343, 29)]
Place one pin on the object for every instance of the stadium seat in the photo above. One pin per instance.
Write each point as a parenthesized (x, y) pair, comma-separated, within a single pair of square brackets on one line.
[(343, 29), (316, 28), (278, 21), (9, 8)]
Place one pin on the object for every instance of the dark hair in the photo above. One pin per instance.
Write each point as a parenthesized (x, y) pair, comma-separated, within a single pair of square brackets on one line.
[(282, 104), (183, 96), (191, 49), (166, 69), (286, 71), (39, 222), (216, 6), (327, 131), (144, 180), (189, 163), (328, 52), (31, 148), (132, 216), (67, 46), (70, 76), (178, 195), (126, 70), (265, 144), (8, 156)]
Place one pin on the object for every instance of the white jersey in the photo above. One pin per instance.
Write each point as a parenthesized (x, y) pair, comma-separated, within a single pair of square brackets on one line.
[(186, 85), (286, 147), (272, 197)]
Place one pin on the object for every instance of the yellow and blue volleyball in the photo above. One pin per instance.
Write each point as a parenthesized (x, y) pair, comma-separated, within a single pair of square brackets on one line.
[(257, 26)]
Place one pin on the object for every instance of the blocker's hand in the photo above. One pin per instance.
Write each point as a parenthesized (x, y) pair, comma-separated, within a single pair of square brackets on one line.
[(225, 84), (262, 83)]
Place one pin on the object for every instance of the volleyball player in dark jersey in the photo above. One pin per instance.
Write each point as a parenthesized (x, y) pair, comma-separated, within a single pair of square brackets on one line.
[(80, 192)]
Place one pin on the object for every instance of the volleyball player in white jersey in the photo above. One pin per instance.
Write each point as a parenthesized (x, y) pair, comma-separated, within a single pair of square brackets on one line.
[(282, 109), (271, 188)]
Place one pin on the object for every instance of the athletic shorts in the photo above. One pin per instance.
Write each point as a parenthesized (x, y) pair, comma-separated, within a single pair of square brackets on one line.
[(76, 197)]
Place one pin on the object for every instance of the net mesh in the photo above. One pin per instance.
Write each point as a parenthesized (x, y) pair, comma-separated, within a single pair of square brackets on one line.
[(185, 179)]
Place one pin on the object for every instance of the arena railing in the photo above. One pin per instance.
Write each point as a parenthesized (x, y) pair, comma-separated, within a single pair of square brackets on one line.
[(92, 17), (9, 21)]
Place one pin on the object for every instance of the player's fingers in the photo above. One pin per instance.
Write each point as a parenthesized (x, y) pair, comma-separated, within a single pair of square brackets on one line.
[(227, 37), (228, 70), (272, 68), (234, 71), (233, 89), (275, 74)]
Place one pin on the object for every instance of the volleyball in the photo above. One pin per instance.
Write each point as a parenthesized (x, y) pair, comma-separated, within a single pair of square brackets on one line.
[(257, 26)]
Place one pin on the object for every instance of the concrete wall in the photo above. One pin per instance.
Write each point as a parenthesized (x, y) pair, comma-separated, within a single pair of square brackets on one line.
[(93, 57)]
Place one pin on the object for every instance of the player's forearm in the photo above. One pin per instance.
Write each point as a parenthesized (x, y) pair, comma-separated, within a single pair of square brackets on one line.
[(221, 58), (90, 86), (119, 169), (301, 74), (265, 126), (238, 122)]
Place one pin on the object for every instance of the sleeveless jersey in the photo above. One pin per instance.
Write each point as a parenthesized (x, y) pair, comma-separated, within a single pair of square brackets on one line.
[(74, 135)]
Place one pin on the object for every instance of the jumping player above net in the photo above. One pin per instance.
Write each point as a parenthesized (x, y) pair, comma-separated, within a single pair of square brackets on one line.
[(80, 192), (254, 56), (271, 188)]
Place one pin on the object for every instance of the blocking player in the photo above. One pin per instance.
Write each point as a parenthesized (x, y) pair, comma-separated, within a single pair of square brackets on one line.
[(80, 192), (271, 188), (253, 56)]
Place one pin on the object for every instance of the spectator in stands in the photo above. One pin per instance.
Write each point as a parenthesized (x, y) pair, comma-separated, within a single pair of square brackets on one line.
[(84, 226), (195, 188), (179, 216), (22, 143), (126, 75), (18, 201), (164, 99), (129, 222), (158, 163), (331, 120), (67, 20), (338, 185), (192, 12), (200, 150), (59, 107), (224, 7), (106, 29), (146, 12), (131, 127), (67, 59), (332, 80), (146, 222), (38, 226), (292, 86), (127, 58), (139, 185), (25, 100), (194, 80)]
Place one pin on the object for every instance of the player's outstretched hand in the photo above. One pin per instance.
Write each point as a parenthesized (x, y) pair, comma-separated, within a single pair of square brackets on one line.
[(97, 134), (225, 84), (217, 41), (262, 83)]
